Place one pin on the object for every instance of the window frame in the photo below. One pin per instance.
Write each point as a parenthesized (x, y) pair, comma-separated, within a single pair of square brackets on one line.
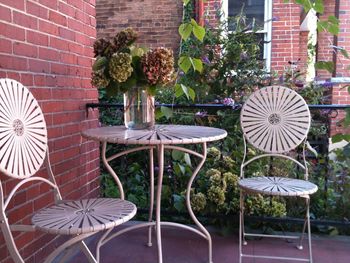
[(267, 31)]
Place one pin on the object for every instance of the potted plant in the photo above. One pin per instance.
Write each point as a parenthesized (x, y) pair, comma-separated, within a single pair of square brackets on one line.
[(121, 66)]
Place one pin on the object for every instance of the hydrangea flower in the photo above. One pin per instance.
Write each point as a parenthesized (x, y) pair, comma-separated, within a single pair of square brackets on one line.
[(214, 153), (217, 195), (120, 68), (198, 202)]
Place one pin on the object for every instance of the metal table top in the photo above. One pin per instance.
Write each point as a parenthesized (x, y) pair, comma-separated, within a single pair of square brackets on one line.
[(160, 134)]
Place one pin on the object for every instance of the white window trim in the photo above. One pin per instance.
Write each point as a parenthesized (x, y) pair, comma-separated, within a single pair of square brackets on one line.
[(267, 29)]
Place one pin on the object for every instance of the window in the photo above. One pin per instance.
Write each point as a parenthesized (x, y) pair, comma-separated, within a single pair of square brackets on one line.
[(261, 12)]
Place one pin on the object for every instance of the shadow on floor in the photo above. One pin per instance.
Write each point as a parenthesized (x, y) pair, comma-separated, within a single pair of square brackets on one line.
[(181, 246)]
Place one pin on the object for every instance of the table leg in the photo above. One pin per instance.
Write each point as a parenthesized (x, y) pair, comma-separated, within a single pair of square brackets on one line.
[(151, 196), (158, 200), (188, 202), (111, 171), (202, 157)]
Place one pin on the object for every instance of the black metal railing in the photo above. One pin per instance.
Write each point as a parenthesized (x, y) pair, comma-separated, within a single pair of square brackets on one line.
[(213, 106), (332, 108)]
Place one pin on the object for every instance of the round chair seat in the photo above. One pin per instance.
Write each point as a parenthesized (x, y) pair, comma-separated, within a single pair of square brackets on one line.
[(280, 186), (84, 216)]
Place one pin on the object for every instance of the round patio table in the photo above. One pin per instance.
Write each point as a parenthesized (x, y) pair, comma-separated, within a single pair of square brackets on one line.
[(160, 138)]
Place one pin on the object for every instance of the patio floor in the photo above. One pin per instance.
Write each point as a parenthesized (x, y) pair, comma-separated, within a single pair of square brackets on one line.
[(181, 246)]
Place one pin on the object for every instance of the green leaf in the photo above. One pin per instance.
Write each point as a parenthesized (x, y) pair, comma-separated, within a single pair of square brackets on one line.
[(185, 2), (179, 169), (100, 63), (178, 90), (349, 89), (185, 90), (333, 20), (326, 65), (305, 3), (181, 89), (318, 6), (322, 26), (177, 155), (185, 30), (188, 159), (185, 63), (137, 51), (191, 93), (199, 32), (333, 29), (167, 112), (344, 53), (193, 22), (179, 202), (197, 64), (337, 138)]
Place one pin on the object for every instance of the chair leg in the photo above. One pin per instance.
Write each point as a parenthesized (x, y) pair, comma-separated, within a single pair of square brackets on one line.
[(90, 257), (306, 223), (69, 243), (300, 246), (241, 224), (309, 227)]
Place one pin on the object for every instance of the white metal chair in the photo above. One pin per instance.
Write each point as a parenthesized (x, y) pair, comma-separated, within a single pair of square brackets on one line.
[(23, 150), (275, 120)]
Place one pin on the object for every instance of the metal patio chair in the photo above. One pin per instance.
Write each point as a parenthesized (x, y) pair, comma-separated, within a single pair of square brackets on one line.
[(23, 151), (275, 120)]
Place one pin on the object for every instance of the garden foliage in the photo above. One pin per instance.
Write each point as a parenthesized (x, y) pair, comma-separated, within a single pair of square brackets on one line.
[(231, 68)]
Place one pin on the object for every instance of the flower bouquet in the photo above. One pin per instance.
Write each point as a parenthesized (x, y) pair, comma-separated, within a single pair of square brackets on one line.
[(120, 66)]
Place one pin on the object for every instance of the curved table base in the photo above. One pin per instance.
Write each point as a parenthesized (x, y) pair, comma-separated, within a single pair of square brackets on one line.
[(160, 151)]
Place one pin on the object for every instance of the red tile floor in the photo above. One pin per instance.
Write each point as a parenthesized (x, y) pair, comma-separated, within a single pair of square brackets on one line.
[(181, 246)]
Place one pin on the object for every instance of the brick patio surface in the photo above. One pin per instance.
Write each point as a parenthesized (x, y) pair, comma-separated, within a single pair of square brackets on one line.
[(181, 246)]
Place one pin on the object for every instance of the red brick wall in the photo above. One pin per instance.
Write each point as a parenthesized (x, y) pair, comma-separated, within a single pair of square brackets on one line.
[(156, 21), (210, 11), (47, 45), (285, 35), (344, 39)]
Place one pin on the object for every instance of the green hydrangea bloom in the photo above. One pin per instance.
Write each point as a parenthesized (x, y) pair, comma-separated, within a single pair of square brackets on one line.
[(276, 209), (198, 202), (228, 162), (231, 179), (98, 79), (214, 153), (215, 179), (216, 195), (120, 68), (212, 172)]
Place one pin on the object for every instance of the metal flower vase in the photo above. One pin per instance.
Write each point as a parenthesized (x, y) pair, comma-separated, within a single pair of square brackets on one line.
[(138, 109)]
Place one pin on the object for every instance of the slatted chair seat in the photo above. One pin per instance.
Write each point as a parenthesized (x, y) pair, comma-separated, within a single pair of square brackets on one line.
[(278, 186), (83, 216)]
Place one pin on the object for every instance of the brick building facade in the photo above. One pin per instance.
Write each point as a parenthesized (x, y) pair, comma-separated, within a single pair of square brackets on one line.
[(47, 45), (156, 21)]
